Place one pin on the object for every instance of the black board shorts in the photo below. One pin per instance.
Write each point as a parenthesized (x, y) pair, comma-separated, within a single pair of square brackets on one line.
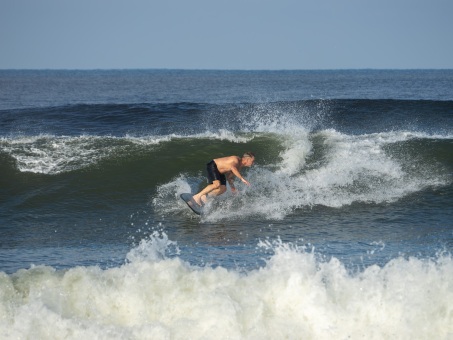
[(214, 174)]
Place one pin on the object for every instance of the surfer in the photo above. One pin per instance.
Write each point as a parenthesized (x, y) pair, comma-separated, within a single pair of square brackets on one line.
[(221, 170)]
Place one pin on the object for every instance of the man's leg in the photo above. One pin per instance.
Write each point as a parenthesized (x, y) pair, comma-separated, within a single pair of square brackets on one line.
[(213, 189), (217, 192)]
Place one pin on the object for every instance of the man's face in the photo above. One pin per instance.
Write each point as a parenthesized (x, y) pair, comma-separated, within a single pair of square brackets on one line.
[(249, 161)]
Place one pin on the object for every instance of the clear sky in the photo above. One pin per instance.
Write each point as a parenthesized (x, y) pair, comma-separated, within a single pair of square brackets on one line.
[(226, 34)]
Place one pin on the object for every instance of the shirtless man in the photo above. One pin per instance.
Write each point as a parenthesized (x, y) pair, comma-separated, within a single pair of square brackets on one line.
[(221, 170)]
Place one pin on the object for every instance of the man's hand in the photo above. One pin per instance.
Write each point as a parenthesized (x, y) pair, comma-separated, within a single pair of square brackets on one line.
[(245, 181)]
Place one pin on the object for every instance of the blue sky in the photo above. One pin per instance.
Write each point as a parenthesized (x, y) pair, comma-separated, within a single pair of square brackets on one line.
[(226, 34)]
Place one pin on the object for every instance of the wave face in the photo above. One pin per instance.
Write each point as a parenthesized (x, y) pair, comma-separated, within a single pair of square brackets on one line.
[(303, 160), (345, 232)]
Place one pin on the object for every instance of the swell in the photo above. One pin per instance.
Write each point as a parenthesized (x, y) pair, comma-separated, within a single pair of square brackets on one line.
[(99, 119), (323, 152), (347, 115)]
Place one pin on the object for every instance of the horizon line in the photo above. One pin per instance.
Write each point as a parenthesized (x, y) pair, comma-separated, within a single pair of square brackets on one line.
[(226, 69)]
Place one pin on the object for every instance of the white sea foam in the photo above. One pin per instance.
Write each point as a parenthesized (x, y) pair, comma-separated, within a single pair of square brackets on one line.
[(52, 155), (296, 295), (49, 154), (349, 169)]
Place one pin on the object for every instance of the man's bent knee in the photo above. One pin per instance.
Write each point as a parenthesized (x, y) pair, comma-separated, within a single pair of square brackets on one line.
[(216, 185)]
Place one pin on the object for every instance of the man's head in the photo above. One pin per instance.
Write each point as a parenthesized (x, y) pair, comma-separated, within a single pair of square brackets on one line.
[(248, 158)]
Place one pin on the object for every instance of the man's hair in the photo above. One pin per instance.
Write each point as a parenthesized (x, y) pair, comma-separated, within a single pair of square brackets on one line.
[(249, 155)]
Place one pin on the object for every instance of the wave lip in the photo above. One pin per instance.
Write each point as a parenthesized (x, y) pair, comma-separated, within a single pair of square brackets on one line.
[(49, 154)]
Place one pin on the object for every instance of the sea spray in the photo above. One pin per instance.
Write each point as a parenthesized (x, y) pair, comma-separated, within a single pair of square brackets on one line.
[(325, 168)]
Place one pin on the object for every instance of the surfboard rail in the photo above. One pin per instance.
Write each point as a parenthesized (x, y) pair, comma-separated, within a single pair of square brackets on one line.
[(194, 206)]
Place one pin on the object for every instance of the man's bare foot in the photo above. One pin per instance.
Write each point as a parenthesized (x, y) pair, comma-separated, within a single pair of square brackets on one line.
[(198, 200)]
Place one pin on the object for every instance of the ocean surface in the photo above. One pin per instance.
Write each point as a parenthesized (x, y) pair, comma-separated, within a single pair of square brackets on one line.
[(345, 233)]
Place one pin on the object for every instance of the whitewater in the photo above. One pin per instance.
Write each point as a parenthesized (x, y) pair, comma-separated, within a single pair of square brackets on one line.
[(295, 295)]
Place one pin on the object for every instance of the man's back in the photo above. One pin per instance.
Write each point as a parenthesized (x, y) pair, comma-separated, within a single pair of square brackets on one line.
[(225, 164)]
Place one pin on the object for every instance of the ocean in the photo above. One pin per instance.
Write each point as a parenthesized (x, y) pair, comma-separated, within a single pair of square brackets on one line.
[(346, 231)]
